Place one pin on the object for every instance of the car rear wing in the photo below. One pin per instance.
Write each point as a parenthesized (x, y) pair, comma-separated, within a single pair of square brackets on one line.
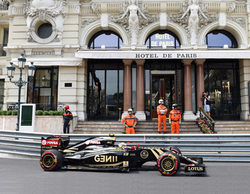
[(54, 142)]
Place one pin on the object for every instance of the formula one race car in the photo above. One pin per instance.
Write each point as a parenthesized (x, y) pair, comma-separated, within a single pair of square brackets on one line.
[(102, 153)]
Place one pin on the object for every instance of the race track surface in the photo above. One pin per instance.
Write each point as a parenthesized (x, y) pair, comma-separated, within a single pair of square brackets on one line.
[(20, 176)]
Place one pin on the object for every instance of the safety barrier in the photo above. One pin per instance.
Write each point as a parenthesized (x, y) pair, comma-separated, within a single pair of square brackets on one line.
[(212, 147)]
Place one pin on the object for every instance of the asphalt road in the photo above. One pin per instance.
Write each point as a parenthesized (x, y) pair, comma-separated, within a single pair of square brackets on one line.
[(25, 177)]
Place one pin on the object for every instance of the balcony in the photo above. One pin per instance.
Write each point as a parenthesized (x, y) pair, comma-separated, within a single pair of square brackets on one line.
[(4, 5)]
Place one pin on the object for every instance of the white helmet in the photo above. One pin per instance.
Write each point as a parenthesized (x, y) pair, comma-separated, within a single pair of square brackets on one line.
[(161, 101), (130, 110), (175, 105)]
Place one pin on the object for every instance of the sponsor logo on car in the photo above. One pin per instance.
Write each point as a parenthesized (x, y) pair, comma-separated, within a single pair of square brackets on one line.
[(144, 154), (105, 158), (195, 168), (50, 142), (91, 142)]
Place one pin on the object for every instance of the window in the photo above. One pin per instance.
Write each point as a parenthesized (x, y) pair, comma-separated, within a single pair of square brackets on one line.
[(1, 93), (42, 89), (105, 89), (105, 40), (4, 42), (162, 39), (220, 39), (44, 30)]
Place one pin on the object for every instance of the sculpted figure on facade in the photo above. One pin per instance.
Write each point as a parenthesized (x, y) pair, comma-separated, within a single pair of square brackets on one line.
[(133, 10), (193, 20)]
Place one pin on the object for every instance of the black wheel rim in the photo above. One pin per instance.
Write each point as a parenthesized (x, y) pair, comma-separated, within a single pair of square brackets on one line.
[(48, 161), (168, 164)]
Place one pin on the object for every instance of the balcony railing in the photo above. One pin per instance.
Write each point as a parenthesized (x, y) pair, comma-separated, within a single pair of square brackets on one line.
[(4, 5)]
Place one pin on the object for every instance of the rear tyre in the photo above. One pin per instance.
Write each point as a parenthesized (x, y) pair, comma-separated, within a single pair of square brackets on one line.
[(51, 160), (168, 163)]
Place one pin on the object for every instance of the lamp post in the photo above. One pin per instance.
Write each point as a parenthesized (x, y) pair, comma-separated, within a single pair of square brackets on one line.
[(20, 83)]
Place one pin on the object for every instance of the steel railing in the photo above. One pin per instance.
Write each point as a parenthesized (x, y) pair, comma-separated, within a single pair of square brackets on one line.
[(212, 147)]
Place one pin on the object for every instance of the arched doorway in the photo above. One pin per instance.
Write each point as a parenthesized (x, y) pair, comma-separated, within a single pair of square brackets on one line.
[(163, 78), (105, 79), (222, 78)]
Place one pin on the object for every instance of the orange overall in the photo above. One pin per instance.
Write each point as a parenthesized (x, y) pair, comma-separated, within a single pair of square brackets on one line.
[(129, 120), (162, 112), (175, 115)]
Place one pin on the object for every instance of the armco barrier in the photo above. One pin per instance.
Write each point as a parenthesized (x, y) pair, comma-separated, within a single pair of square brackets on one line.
[(212, 147)]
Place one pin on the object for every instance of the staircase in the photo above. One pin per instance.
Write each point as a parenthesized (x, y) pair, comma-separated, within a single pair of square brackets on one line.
[(143, 127), (232, 127)]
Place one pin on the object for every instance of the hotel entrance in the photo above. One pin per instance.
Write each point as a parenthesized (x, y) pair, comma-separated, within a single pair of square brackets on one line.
[(163, 87), (163, 80)]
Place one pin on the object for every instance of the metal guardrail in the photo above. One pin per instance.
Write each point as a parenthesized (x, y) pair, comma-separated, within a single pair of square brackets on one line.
[(212, 147)]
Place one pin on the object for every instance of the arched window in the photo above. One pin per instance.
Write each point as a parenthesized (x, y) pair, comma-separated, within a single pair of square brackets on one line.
[(162, 39), (105, 40), (220, 39)]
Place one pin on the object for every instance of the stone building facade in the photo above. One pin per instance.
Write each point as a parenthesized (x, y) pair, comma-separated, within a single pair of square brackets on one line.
[(102, 57)]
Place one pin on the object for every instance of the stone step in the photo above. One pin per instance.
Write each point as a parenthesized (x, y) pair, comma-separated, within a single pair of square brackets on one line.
[(138, 126), (149, 127), (137, 132), (136, 129), (231, 122)]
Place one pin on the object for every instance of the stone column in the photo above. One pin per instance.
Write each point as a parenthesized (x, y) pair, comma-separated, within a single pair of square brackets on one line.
[(244, 79), (188, 113), (199, 81), (127, 87), (140, 114)]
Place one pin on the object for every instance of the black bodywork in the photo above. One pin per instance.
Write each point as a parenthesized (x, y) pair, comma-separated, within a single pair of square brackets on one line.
[(102, 153)]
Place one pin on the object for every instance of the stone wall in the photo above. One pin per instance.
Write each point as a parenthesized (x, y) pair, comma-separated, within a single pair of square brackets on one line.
[(43, 124)]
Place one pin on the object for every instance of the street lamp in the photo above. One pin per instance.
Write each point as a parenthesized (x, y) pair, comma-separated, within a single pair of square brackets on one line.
[(20, 83)]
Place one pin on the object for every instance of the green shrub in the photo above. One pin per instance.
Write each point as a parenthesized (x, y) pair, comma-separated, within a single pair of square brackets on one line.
[(46, 112), (9, 112), (60, 112), (1, 112), (4, 112), (39, 112), (14, 112), (51, 112)]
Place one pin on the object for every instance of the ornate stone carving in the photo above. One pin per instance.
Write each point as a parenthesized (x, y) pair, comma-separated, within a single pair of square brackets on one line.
[(45, 7), (239, 20), (86, 21), (45, 11)]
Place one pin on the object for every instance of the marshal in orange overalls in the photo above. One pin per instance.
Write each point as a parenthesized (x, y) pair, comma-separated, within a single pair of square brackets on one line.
[(162, 118), (130, 122), (175, 116)]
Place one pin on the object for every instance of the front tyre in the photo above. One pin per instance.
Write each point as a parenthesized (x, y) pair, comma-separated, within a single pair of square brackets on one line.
[(51, 160), (168, 163)]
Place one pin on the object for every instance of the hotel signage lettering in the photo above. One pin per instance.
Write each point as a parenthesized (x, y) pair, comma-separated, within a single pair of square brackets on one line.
[(166, 55), (162, 40), (43, 52)]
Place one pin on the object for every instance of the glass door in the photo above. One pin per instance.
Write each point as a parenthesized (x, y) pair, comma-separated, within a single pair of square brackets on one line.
[(163, 87), (224, 91)]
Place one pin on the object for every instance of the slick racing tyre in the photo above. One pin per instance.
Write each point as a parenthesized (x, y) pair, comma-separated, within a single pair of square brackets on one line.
[(175, 149), (168, 163), (51, 160)]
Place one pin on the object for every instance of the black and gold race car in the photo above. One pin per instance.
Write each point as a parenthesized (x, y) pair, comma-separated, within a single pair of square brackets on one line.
[(103, 153)]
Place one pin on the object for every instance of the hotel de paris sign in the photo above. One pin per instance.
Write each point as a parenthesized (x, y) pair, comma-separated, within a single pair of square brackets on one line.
[(166, 54)]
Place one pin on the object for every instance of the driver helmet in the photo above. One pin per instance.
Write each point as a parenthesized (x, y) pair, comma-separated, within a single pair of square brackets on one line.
[(161, 101), (122, 145)]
